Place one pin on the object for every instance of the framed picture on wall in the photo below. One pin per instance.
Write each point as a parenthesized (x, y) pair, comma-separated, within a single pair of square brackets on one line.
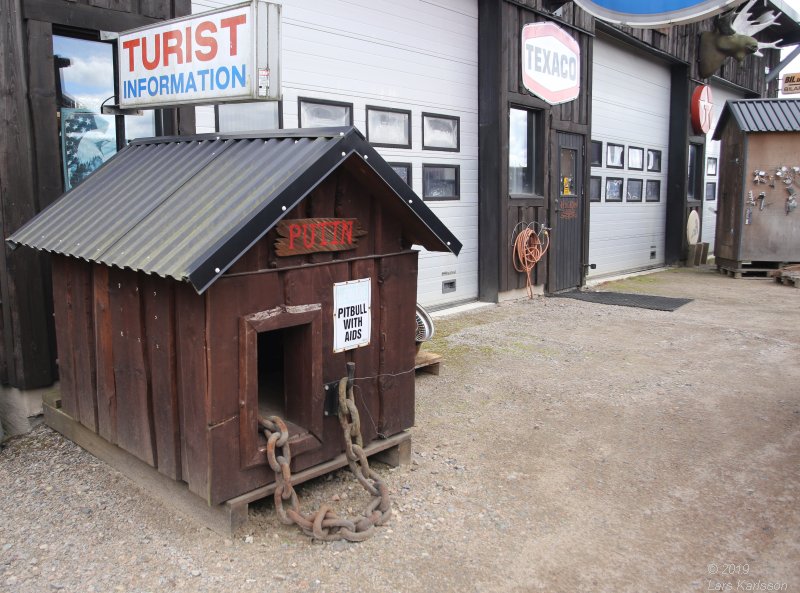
[(388, 127), (635, 158), (653, 160), (596, 153), (319, 113), (652, 192), (711, 191), (403, 170), (614, 189), (440, 132), (595, 188), (711, 166), (634, 190), (615, 156)]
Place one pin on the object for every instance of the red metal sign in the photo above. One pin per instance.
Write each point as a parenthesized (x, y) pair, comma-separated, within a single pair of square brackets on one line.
[(313, 235), (551, 63), (702, 107)]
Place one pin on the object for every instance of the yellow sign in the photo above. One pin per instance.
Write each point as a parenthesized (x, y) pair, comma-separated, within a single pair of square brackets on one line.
[(791, 84)]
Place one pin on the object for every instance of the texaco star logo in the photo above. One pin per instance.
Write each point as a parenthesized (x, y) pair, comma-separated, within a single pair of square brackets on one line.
[(702, 109)]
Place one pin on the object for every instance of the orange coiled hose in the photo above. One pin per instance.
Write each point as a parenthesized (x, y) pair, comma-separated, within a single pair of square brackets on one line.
[(529, 247)]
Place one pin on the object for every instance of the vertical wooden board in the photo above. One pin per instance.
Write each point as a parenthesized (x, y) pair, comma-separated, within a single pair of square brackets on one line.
[(398, 291), (315, 285), (367, 358), (159, 323), (134, 413), (228, 300), (104, 357), (83, 342), (157, 9), (321, 205), (62, 293), (513, 29), (190, 330), (228, 480), (352, 202)]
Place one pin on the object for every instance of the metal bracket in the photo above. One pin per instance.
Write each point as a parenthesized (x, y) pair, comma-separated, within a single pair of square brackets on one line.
[(331, 399)]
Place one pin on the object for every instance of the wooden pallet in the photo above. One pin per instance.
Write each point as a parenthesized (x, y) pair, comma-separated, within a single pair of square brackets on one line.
[(742, 270), (228, 517), (789, 279), (428, 362)]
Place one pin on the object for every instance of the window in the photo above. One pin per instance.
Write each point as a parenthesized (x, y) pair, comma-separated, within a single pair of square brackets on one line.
[(440, 132), (389, 127), (711, 166), (318, 113), (525, 177), (711, 191), (635, 158), (634, 190), (440, 182), (614, 189), (595, 188), (84, 86), (654, 160), (403, 170), (596, 153), (248, 117), (568, 171), (615, 156), (652, 190)]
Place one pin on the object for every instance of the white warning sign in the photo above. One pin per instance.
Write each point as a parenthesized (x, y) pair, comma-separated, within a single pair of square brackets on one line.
[(352, 314)]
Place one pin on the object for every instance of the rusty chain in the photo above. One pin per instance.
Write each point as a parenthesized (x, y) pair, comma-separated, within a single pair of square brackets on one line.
[(325, 524)]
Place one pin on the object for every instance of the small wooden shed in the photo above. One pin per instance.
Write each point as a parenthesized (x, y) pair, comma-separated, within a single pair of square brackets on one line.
[(758, 221), (201, 281)]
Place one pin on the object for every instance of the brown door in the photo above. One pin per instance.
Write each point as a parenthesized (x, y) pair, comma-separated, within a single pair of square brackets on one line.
[(566, 216)]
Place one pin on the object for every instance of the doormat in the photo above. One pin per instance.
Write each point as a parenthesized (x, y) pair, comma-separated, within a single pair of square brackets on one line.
[(623, 299)]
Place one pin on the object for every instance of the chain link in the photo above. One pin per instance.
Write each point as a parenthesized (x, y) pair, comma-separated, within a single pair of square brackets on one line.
[(325, 524)]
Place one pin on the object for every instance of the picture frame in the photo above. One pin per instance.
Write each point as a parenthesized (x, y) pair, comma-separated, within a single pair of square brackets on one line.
[(636, 158), (596, 153), (615, 156), (614, 187), (441, 182), (652, 192), (711, 191), (321, 113), (595, 188), (403, 170), (711, 166), (634, 192), (388, 127), (441, 132), (653, 160)]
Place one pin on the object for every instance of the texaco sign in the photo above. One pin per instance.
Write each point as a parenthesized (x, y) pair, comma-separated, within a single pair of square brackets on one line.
[(551, 63)]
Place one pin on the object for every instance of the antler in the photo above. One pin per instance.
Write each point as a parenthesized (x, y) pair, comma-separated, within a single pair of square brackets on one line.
[(745, 25), (762, 45)]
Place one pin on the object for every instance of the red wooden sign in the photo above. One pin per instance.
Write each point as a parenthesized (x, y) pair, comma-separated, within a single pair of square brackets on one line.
[(312, 235)]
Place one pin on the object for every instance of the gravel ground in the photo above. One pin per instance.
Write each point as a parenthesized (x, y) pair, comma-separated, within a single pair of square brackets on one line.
[(565, 447)]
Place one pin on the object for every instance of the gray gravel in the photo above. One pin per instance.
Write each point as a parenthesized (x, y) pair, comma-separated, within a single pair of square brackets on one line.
[(565, 447)]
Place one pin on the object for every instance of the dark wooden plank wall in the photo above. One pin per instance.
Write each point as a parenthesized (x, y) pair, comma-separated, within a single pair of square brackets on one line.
[(574, 117), (30, 173), (119, 343)]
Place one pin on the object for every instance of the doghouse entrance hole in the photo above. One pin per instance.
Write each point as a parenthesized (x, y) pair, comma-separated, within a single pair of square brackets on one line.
[(283, 389)]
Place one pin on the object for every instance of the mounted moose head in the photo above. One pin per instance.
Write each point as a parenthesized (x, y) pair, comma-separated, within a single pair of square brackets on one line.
[(734, 38)]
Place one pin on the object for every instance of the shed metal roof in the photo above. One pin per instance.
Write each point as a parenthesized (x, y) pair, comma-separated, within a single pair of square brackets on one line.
[(761, 115), (188, 207)]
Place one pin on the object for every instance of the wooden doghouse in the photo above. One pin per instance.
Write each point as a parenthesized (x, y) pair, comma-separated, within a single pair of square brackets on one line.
[(758, 221), (202, 281)]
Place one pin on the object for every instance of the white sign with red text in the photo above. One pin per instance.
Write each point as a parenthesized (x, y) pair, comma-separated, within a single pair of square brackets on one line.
[(551, 63), (215, 57)]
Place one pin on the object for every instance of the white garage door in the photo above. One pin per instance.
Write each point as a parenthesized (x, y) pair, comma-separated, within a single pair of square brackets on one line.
[(411, 55), (630, 117)]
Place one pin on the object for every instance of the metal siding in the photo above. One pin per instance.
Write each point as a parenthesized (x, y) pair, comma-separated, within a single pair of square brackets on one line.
[(404, 54), (168, 206), (630, 106), (766, 115)]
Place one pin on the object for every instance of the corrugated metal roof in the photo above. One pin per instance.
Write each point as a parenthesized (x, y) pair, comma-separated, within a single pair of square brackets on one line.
[(761, 115), (189, 207)]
